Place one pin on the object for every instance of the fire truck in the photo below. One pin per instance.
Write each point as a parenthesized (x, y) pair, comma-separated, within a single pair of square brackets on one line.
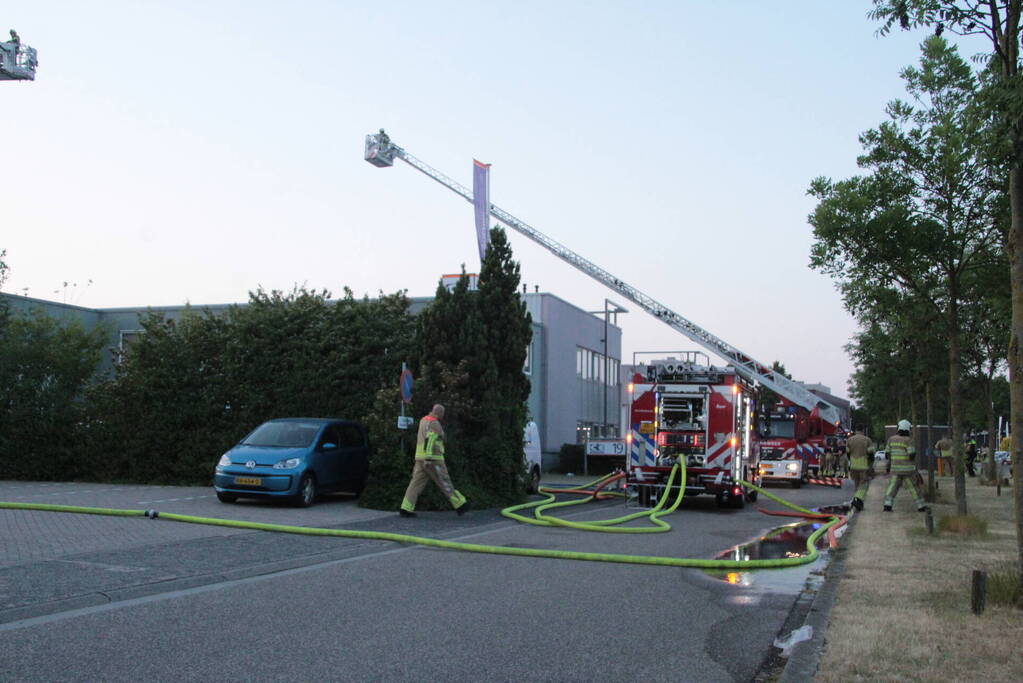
[(722, 460), (691, 412), (793, 441)]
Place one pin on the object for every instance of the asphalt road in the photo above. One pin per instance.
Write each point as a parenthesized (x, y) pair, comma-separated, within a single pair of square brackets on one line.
[(86, 597)]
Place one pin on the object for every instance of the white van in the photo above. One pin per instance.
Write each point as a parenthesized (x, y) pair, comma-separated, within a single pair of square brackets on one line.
[(531, 455)]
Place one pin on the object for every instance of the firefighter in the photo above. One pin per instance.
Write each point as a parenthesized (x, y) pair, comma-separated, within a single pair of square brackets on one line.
[(944, 448), (828, 466), (902, 464), (861, 464), (843, 458), (430, 465)]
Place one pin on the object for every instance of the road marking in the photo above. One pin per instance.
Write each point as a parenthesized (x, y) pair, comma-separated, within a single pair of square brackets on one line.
[(101, 565), (169, 500)]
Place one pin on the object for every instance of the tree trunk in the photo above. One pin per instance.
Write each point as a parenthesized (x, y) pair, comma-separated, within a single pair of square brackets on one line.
[(930, 443), (988, 471), (955, 396), (1014, 247)]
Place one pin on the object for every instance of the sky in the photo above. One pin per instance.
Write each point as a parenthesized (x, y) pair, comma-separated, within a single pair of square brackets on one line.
[(173, 152)]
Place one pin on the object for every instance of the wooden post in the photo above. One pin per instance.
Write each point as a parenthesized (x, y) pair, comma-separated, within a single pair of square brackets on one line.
[(978, 595)]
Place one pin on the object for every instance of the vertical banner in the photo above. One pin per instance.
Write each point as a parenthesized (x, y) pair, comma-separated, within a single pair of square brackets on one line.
[(481, 203)]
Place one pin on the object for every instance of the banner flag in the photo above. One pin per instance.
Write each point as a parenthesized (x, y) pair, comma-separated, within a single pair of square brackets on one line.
[(481, 203)]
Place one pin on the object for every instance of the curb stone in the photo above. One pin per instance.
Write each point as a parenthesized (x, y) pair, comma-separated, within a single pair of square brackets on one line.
[(806, 656)]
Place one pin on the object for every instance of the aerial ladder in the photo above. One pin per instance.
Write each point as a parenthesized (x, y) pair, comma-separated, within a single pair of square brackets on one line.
[(381, 152), (18, 61)]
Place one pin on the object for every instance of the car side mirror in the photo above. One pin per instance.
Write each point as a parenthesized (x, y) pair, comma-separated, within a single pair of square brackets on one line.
[(328, 446)]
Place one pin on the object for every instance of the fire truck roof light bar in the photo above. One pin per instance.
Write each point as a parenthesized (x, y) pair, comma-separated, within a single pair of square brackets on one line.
[(744, 364)]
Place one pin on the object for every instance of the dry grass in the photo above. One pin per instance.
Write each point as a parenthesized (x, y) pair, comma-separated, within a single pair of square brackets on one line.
[(964, 525), (902, 612)]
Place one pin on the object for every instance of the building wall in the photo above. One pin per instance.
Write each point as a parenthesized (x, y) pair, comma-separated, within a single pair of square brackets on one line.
[(565, 398)]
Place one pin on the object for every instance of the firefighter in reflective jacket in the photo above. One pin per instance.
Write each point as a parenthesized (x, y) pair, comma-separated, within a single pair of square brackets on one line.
[(902, 465), (860, 464), (430, 465), (944, 448)]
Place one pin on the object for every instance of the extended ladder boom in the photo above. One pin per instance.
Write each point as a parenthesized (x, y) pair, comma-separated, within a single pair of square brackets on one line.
[(380, 151)]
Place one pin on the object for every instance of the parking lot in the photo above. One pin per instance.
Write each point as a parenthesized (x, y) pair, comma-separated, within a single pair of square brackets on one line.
[(65, 575)]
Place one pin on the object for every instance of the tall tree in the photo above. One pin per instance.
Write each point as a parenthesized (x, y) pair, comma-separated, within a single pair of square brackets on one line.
[(472, 347), (925, 214), (999, 22), (508, 329)]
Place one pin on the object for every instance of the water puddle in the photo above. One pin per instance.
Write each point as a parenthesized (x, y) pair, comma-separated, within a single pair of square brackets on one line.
[(782, 542)]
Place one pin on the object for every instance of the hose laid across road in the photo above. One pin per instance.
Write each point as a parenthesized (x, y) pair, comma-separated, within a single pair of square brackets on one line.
[(539, 518)]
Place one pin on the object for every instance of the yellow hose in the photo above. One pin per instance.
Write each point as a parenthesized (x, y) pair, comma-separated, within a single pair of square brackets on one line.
[(539, 518)]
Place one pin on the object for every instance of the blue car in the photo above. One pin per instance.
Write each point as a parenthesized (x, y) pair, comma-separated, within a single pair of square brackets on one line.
[(296, 459)]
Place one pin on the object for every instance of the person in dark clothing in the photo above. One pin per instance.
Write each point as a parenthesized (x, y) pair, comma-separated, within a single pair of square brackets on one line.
[(971, 457)]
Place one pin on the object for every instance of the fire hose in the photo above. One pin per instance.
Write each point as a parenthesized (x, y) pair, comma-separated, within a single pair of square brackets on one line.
[(538, 518)]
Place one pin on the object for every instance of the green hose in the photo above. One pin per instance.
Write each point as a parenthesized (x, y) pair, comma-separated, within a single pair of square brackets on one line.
[(697, 563), (607, 525)]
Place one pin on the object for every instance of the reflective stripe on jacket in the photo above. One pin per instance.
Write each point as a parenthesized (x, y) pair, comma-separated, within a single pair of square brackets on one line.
[(429, 444), (859, 446), (944, 447), (901, 451)]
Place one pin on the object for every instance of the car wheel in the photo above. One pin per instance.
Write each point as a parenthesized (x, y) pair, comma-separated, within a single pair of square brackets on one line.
[(737, 502), (306, 491), (226, 497), (534, 480)]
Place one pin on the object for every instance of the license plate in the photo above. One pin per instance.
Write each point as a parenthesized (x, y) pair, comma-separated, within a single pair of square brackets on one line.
[(248, 481)]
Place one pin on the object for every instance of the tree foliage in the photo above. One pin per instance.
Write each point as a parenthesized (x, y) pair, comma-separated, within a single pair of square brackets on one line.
[(999, 21), (45, 365), (187, 390), (925, 217), (470, 350)]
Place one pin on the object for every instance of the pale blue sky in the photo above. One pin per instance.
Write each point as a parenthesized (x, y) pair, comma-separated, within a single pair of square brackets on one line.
[(192, 151)]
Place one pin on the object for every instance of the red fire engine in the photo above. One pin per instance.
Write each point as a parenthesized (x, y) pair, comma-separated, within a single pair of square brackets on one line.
[(718, 447), (793, 441), (699, 415)]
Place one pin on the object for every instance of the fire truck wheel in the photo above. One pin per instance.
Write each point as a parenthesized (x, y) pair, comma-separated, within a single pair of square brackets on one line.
[(725, 500), (751, 496), (796, 483)]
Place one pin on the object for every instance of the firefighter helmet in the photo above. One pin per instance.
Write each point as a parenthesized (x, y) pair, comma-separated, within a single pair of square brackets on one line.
[(904, 425)]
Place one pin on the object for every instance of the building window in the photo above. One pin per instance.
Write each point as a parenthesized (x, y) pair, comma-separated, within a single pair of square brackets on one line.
[(590, 365)]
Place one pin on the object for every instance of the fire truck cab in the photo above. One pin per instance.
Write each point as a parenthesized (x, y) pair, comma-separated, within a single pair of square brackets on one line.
[(792, 443), (685, 411)]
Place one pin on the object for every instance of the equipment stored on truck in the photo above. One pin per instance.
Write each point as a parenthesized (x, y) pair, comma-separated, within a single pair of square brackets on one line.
[(683, 409)]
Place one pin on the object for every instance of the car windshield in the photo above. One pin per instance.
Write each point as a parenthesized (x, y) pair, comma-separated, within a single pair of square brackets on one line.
[(283, 435)]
